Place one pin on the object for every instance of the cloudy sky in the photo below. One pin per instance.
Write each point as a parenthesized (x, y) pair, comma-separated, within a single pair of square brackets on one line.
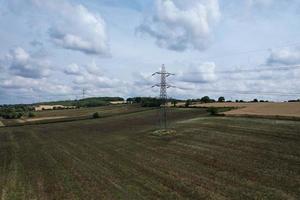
[(52, 49)]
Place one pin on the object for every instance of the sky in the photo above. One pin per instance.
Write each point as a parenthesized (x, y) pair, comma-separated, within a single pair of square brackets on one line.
[(240, 49)]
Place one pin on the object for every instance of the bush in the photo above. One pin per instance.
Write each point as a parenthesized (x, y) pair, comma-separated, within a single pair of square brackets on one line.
[(31, 115), (96, 115), (187, 103), (213, 110)]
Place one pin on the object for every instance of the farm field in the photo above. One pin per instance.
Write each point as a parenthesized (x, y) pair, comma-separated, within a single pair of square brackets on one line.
[(88, 111), (118, 157), (75, 114), (288, 109)]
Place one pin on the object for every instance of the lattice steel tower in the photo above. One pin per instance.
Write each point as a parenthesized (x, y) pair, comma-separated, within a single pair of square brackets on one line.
[(163, 95)]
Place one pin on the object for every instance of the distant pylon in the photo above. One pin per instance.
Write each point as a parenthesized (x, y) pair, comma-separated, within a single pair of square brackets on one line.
[(83, 93), (163, 95)]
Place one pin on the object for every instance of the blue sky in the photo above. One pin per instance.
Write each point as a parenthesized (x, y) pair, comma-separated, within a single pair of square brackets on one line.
[(52, 49)]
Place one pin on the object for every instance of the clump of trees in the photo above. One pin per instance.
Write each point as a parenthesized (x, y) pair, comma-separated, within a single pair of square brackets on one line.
[(31, 115), (241, 101), (146, 101), (213, 110), (298, 100), (221, 99), (151, 102), (205, 99), (96, 115), (14, 111)]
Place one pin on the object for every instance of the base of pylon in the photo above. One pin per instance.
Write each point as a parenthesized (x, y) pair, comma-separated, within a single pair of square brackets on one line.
[(164, 133)]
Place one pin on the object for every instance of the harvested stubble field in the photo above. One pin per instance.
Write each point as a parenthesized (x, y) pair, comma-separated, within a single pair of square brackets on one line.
[(119, 158), (49, 116), (287, 109), (104, 110)]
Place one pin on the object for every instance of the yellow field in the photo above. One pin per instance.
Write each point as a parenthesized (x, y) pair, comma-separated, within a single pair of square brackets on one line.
[(259, 109)]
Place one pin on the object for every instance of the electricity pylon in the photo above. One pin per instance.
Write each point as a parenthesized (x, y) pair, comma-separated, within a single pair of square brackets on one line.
[(163, 95), (83, 93)]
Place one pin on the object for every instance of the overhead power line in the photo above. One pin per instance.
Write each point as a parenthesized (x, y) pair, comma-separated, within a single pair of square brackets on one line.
[(295, 44), (266, 93), (262, 69)]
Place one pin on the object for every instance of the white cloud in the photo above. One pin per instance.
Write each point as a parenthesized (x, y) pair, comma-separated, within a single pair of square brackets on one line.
[(20, 62), (34, 86), (285, 57), (203, 73), (89, 69), (91, 76), (179, 25), (76, 28), (93, 68), (144, 79), (94, 81), (72, 69), (263, 3)]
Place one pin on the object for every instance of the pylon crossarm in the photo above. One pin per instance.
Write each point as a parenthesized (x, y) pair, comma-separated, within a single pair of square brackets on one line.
[(155, 73)]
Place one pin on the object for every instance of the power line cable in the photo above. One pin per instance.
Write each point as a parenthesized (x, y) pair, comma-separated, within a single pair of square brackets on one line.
[(253, 51), (267, 93), (276, 68)]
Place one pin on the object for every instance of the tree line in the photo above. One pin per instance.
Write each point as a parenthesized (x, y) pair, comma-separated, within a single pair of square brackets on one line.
[(15, 111)]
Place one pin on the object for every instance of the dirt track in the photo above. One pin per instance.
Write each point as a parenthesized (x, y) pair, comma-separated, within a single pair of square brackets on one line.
[(44, 118)]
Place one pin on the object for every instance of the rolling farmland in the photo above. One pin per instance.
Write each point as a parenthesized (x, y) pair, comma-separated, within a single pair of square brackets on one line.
[(52, 116), (118, 157), (288, 110)]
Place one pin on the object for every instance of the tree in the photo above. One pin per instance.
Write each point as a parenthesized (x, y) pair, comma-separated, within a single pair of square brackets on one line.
[(96, 115), (187, 103), (150, 102), (205, 99), (221, 99), (255, 100), (138, 99), (174, 103)]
